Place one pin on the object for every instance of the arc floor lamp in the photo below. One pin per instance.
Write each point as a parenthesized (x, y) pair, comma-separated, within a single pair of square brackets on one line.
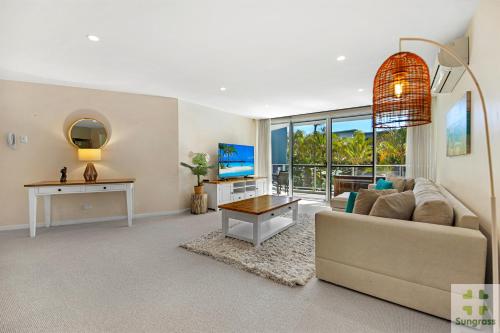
[(401, 98)]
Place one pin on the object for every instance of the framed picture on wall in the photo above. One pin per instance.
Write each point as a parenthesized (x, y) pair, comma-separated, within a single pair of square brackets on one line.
[(458, 127)]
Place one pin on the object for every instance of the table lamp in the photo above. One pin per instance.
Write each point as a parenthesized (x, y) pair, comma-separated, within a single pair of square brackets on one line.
[(90, 173)]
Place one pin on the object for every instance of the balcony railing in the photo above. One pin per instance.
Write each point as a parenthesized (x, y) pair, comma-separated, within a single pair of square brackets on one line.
[(311, 178), (397, 170)]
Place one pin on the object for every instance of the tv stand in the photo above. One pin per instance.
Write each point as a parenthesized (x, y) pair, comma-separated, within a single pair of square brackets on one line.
[(230, 190)]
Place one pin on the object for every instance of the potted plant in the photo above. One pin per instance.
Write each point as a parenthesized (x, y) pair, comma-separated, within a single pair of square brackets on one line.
[(199, 169)]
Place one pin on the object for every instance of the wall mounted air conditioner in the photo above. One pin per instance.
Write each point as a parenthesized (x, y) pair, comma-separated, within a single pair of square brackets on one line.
[(448, 71)]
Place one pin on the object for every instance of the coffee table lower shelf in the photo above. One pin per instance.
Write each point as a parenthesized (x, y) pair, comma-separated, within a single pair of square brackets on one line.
[(258, 228), (244, 231)]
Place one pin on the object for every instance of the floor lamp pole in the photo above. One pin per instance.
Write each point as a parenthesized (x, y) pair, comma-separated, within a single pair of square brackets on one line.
[(493, 228)]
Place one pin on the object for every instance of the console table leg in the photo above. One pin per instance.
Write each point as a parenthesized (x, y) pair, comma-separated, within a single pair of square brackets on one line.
[(130, 204), (32, 211), (47, 210)]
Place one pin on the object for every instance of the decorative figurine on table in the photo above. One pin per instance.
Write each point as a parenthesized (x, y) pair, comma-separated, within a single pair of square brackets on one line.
[(63, 175)]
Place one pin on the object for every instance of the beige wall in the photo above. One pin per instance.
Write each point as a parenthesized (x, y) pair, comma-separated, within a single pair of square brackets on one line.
[(143, 139), (148, 137), (200, 131), (467, 176)]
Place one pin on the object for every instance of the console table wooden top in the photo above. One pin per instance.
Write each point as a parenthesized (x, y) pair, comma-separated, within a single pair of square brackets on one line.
[(81, 182)]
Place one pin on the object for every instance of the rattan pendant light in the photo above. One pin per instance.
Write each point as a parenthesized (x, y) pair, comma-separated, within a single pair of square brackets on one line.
[(402, 92)]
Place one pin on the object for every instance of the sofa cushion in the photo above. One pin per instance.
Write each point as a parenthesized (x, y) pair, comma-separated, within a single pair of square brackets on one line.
[(397, 182), (338, 202), (350, 202), (462, 216), (394, 206), (430, 204), (409, 184), (366, 199)]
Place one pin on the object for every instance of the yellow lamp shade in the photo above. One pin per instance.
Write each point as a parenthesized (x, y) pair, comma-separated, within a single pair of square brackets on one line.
[(89, 154)]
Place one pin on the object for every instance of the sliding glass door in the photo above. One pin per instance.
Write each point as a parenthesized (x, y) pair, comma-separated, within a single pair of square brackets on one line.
[(309, 167), (318, 159), (391, 152), (280, 153), (352, 164)]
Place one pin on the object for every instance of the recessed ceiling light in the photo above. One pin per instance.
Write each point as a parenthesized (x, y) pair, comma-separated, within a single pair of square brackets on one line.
[(341, 58), (222, 88), (93, 38), (361, 90)]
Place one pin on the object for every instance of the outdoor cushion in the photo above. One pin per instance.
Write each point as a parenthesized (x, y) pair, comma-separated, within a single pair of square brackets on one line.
[(383, 184)]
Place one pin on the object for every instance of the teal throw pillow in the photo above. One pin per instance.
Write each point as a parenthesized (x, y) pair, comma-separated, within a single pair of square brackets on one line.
[(350, 202), (383, 184)]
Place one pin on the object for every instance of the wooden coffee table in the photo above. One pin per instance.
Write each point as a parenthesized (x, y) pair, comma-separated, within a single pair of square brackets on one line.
[(263, 212)]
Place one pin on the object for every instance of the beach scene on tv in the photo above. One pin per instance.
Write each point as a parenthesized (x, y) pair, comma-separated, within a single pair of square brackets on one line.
[(235, 160)]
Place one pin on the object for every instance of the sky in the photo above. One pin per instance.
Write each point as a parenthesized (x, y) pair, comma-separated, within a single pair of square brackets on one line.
[(364, 125)]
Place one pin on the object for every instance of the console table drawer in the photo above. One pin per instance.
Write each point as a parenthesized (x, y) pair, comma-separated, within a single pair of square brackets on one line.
[(60, 189), (105, 188)]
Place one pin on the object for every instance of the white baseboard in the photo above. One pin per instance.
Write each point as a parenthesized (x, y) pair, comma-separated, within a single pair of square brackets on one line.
[(95, 219), (13, 227), (164, 213)]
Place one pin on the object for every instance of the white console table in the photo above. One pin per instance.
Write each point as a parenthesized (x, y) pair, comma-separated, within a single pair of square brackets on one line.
[(48, 188)]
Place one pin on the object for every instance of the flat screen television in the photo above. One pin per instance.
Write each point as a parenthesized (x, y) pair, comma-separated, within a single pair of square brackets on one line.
[(235, 160)]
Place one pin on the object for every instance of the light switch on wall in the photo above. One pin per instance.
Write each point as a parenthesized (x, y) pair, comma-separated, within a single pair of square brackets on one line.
[(11, 140), (23, 139)]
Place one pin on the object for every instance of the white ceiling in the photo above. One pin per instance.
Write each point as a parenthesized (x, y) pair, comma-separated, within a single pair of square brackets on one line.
[(279, 53)]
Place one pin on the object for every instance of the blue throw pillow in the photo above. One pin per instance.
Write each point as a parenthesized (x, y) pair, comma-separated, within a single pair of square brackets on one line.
[(349, 207), (383, 184)]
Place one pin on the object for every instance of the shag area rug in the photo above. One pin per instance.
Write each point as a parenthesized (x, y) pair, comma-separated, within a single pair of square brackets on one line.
[(287, 257)]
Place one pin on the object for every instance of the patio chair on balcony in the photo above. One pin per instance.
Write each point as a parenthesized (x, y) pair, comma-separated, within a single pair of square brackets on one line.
[(282, 182)]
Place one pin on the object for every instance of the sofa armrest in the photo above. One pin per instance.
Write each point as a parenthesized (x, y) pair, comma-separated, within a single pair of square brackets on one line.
[(423, 253)]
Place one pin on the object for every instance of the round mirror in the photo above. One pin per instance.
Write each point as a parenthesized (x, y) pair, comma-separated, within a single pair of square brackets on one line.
[(88, 133)]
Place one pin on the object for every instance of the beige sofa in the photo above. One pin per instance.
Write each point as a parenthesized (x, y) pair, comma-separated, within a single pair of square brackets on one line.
[(405, 262)]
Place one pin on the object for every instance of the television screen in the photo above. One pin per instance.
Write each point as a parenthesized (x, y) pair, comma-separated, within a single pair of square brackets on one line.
[(235, 160)]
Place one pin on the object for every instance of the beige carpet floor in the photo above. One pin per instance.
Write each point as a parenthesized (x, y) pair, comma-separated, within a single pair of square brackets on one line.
[(106, 277)]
